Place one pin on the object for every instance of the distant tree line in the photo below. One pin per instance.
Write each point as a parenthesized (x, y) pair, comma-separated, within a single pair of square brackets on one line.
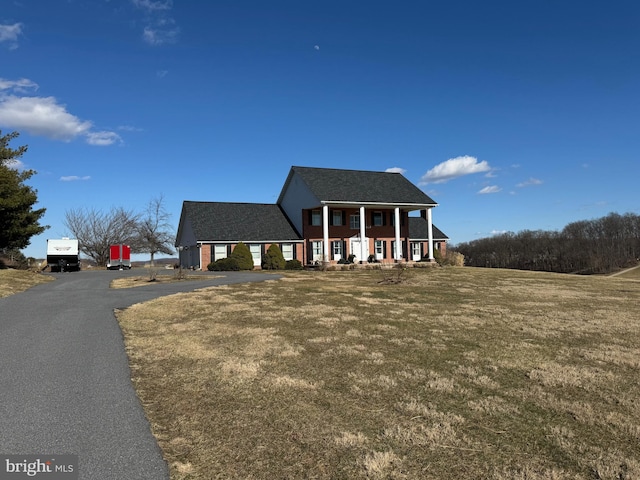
[(602, 245)]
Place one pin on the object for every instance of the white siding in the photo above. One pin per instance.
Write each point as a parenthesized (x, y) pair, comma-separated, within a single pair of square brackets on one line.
[(296, 198)]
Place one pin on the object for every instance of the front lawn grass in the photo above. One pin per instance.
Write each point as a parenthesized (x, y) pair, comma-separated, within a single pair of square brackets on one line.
[(456, 373), (15, 281)]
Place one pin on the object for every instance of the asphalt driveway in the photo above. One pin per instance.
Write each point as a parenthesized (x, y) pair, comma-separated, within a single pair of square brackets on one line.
[(65, 383)]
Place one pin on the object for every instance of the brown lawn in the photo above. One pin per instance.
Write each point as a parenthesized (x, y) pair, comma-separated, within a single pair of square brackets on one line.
[(456, 373)]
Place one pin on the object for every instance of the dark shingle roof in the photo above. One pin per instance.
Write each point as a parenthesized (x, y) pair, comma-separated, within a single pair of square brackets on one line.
[(220, 221), (418, 230), (336, 185)]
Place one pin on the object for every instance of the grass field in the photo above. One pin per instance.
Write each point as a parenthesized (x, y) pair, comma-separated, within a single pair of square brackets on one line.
[(15, 281), (456, 373), (154, 279)]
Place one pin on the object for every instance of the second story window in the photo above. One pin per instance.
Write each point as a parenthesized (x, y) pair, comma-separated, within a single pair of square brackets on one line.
[(378, 219), (354, 222), (316, 218), (337, 217)]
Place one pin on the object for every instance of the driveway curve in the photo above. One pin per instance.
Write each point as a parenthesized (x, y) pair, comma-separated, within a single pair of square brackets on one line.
[(65, 384)]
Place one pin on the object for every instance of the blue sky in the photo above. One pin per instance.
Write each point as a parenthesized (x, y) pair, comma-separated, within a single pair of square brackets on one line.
[(511, 115)]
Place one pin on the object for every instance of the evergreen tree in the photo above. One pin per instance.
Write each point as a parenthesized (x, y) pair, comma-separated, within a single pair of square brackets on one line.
[(273, 259), (18, 220), (243, 255)]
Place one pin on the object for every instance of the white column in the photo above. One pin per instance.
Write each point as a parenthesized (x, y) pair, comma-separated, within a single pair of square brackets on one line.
[(325, 233), (397, 255), (363, 250), (430, 232)]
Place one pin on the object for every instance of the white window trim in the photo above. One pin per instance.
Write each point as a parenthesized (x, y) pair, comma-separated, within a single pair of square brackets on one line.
[(257, 260), (288, 255), (379, 245), (217, 256), (316, 250)]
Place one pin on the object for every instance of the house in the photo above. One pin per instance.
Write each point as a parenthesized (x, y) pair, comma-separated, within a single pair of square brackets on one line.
[(208, 231), (322, 215)]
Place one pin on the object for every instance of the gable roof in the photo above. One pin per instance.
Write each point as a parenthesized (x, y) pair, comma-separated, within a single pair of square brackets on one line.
[(335, 185), (419, 230), (221, 221)]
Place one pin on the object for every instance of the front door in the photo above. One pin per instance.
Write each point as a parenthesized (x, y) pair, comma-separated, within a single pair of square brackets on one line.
[(416, 251), (355, 246)]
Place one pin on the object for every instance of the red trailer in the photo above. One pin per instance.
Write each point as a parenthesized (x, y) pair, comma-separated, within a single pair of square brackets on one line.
[(119, 257)]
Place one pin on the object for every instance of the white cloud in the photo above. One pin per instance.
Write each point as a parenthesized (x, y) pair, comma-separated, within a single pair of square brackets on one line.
[(396, 170), (44, 116), (490, 189), (162, 73), (153, 6), (531, 181), (498, 232), (454, 168), (160, 28), (41, 116), (21, 85), (158, 36), (74, 178), (130, 128), (103, 138), (316, 47), (10, 33), (15, 164)]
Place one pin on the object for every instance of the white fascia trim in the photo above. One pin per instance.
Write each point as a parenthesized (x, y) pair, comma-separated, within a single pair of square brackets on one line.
[(379, 204), (225, 242)]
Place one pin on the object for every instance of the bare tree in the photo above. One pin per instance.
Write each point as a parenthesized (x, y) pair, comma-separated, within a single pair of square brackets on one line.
[(97, 230), (155, 233)]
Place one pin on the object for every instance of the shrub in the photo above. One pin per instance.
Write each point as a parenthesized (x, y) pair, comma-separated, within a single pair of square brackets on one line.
[(273, 259), (242, 255), (454, 258), (450, 258), (293, 265), (229, 264)]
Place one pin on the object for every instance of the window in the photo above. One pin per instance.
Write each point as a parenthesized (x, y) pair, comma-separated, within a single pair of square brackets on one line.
[(379, 247), (287, 251), (337, 217), (378, 219), (354, 222), (256, 253), (337, 249), (316, 218), (219, 251), (316, 251)]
